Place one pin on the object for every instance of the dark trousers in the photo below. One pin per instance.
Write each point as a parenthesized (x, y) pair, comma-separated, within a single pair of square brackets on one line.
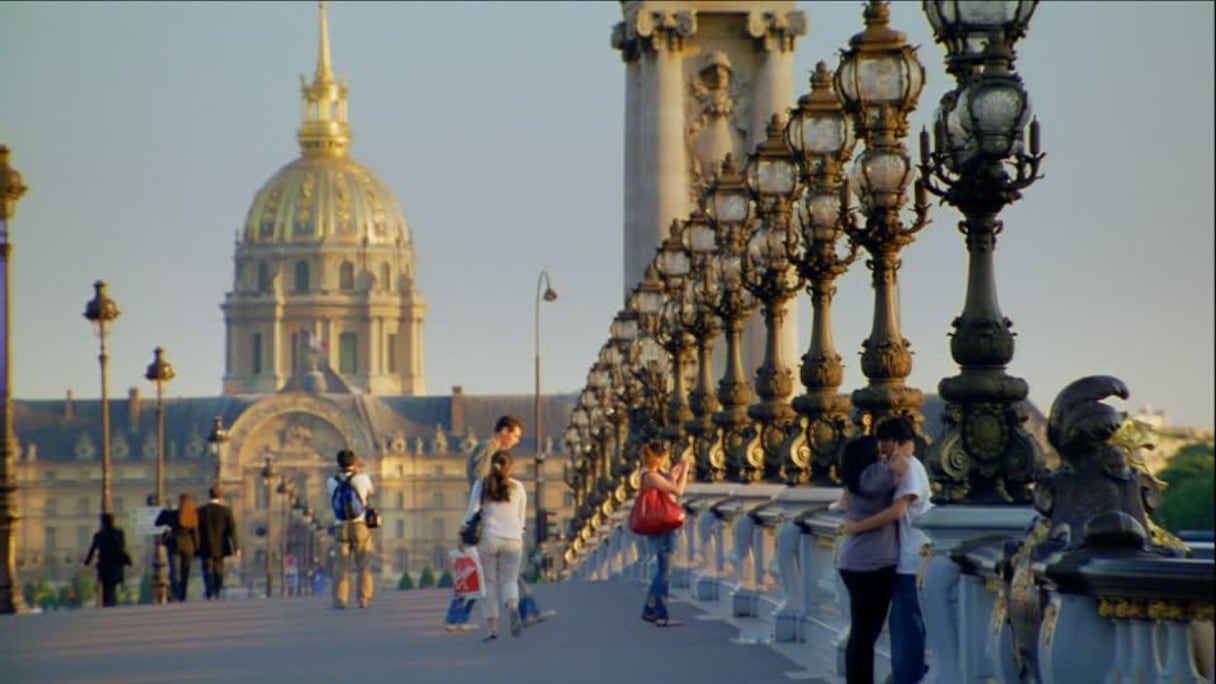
[(869, 600), (180, 563), (213, 577), (109, 594), (663, 546), (907, 628)]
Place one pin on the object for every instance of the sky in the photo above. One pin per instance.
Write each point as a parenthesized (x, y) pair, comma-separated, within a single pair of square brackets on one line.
[(143, 131)]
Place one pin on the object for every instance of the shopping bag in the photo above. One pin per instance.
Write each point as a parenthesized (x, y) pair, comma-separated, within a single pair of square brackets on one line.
[(468, 580), (655, 512)]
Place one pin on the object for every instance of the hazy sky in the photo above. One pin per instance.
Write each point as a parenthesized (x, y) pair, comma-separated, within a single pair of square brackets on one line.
[(144, 130)]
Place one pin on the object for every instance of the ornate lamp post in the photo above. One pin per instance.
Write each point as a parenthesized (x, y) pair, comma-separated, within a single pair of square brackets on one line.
[(819, 130), (216, 440), (548, 295), (979, 163), (769, 274), (704, 327), (880, 79), (11, 601), (268, 475), (727, 207), (288, 490), (679, 311), (160, 372), (101, 311)]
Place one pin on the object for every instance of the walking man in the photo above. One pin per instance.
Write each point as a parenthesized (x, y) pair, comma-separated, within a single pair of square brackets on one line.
[(348, 492), (217, 541), (911, 501)]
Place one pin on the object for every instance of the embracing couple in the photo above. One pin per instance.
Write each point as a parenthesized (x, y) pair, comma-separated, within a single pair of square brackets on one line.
[(886, 492)]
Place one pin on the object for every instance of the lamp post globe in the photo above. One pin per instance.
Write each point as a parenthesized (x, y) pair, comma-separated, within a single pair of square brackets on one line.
[(11, 600), (216, 440), (101, 311)]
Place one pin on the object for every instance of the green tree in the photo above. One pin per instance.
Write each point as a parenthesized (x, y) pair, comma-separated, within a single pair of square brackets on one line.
[(1187, 503), (427, 578), (406, 582), (45, 595), (445, 580)]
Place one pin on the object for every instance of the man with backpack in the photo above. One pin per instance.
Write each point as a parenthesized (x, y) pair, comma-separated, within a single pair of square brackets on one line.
[(348, 492)]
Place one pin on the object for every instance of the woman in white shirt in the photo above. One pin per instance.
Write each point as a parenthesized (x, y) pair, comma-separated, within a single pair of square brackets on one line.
[(503, 513)]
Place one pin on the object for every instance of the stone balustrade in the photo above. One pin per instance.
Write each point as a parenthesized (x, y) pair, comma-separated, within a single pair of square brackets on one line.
[(768, 552)]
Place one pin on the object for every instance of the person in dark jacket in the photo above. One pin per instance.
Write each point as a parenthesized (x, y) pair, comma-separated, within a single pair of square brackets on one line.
[(217, 540), (110, 545), (183, 542)]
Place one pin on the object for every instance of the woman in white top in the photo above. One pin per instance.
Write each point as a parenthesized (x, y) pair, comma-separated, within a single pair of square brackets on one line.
[(503, 513)]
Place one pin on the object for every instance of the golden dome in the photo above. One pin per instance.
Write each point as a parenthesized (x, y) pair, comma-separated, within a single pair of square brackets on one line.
[(325, 196)]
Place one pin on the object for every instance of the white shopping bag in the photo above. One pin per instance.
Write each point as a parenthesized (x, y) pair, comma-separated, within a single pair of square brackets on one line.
[(468, 580)]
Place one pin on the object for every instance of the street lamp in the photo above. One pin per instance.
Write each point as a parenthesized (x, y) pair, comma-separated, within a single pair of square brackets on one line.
[(11, 601), (160, 372), (268, 475), (769, 274), (679, 310), (216, 439), (979, 163), (101, 311), (288, 490), (880, 79), (727, 206), (704, 327), (548, 295), (819, 130)]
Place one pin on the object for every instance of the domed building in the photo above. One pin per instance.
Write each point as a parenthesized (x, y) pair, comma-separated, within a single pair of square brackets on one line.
[(324, 285), (323, 352)]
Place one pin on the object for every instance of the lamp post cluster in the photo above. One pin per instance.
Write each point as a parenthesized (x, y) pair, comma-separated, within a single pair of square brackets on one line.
[(831, 180)]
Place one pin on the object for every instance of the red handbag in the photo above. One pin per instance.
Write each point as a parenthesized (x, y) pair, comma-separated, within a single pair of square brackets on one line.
[(654, 512)]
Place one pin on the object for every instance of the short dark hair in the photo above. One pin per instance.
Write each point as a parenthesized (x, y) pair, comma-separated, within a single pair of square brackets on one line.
[(508, 423), (897, 429), (347, 459), (213, 492)]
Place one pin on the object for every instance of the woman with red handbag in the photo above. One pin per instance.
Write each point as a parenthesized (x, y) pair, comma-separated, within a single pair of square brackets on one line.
[(657, 515)]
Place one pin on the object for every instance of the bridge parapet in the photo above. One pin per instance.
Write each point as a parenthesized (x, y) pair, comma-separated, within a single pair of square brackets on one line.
[(768, 552)]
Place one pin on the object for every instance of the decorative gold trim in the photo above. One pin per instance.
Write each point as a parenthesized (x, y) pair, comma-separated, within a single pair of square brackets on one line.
[(1049, 623), (1177, 611)]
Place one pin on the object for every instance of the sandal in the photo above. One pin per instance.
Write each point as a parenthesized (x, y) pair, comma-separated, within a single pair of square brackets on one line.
[(489, 638)]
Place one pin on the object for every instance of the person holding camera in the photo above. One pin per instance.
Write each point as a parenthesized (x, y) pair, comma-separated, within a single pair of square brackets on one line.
[(348, 492)]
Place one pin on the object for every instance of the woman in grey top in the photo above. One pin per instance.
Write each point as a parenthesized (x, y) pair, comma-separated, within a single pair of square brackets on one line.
[(867, 560)]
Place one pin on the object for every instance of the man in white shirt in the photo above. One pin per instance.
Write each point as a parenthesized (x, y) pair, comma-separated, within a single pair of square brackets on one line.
[(354, 539), (911, 501)]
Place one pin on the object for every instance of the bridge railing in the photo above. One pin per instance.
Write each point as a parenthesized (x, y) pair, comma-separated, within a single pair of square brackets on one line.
[(769, 552)]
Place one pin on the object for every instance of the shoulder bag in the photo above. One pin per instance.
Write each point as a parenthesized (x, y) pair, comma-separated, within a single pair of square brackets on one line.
[(470, 534), (655, 512)]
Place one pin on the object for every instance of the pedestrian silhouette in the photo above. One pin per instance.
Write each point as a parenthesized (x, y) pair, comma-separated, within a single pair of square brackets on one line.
[(110, 545)]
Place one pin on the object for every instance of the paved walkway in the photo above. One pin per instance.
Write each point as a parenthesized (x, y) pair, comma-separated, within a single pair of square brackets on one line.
[(596, 637)]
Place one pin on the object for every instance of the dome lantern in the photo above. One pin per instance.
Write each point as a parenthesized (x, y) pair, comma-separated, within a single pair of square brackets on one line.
[(324, 131)]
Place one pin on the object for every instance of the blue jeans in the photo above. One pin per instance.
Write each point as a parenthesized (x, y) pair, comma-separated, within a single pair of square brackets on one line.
[(663, 546), (907, 632)]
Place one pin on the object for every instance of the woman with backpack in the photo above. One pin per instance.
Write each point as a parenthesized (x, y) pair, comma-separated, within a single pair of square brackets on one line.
[(503, 504)]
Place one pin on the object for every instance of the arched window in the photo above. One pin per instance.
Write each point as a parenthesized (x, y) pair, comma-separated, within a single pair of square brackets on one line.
[(263, 277), (301, 276), (346, 276), (386, 281)]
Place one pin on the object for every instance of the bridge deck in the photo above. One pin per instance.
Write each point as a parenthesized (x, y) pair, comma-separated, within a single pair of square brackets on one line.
[(597, 636)]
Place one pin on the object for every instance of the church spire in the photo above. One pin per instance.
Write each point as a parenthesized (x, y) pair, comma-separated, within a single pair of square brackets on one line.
[(324, 131)]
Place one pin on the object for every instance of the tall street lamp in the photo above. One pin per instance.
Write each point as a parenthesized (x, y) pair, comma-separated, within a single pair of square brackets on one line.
[(769, 274), (216, 440), (982, 156), (679, 311), (101, 311), (704, 328), (880, 79), (547, 295), (288, 490), (820, 132), (727, 207), (268, 475), (11, 601), (160, 372)]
